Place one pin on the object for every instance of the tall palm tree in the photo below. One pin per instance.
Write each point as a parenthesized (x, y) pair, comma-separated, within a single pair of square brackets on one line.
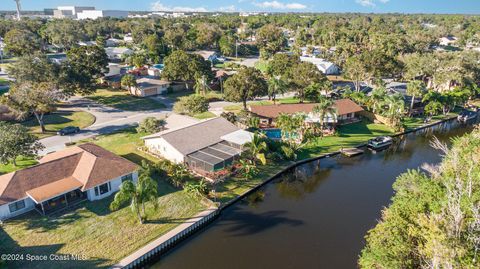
[(257, 148), (129, 81), (276, 85), (144, 191), (415, 88), (394, 108), (201, 86), (325, 107), (377, 99)]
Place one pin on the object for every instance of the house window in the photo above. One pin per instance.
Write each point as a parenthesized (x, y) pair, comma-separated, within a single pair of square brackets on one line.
[(16, 206), (127, 177), (102, 189)]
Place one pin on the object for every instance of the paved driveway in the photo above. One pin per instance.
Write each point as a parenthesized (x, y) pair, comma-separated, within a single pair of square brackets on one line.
[(108, 120)]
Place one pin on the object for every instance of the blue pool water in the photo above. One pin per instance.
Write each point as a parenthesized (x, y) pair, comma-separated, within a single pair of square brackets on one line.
[(158, 66), (273, 133)]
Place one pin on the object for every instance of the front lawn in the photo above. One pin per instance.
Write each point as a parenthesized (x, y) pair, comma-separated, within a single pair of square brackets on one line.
[(121, 99), (58, 120), (21, 163), (416, 122), (204, 115), (348, 136), (92, 230)]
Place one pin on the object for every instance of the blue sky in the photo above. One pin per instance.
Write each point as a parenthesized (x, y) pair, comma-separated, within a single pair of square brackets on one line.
[(403, 6)]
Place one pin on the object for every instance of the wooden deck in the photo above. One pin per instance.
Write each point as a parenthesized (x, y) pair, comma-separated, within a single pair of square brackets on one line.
[(350, 152)]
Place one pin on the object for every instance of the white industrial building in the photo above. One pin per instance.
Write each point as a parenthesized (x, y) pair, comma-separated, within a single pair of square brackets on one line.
[(95, 14)]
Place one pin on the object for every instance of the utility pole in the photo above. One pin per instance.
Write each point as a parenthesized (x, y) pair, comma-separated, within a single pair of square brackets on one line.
[(18, 8)]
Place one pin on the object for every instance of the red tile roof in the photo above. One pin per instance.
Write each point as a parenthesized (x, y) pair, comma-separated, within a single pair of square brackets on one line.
[(343, 106)]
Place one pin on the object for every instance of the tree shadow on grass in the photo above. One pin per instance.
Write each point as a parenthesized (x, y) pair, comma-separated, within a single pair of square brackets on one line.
[(34, 221)]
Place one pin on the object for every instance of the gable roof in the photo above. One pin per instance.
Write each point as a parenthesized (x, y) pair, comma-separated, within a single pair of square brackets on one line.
[(343, 106), (150, 82), (197, 136), (87, 164)]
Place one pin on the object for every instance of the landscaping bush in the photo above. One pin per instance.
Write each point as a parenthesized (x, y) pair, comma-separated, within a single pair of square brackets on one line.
[(191, 105), (151, 125), (230, 116)]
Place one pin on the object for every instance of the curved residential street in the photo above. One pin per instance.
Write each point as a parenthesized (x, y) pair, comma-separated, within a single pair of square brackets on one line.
[(108, 120)]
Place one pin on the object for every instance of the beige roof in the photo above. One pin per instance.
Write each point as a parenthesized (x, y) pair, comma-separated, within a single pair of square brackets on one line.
[(197, 136), (343, 106), (54, 189), (89, 164)]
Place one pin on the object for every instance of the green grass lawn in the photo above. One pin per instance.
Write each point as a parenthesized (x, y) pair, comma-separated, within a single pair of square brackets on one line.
[(104, 237), (121, 99), (204, 115), (412, 123), (21, 163), (58, 120), (348, 136), (4, 81)]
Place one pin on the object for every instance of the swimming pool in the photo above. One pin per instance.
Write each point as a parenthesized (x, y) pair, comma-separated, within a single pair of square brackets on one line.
[(273, 133), (158, 66)]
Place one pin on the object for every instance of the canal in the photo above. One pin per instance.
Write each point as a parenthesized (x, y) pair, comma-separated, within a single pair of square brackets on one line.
[(313, 217)]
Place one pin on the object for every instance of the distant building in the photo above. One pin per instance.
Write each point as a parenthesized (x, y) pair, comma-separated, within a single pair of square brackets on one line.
[(326, 67), (447, 40), (95, 14), (57, 58), (71, 12), (208, 55), (115, 53)]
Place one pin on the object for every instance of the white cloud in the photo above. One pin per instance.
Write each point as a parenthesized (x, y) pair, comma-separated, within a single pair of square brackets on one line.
[(370, 3), (158, 6), (279, 5), (230, 8), (366, 3)]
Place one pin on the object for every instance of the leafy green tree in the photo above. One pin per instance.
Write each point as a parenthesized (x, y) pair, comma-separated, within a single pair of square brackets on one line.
[(270, 39), (65, 33), (89, 62), (377, 99), (226, 44), (276, 86), (151, 125), (198, 188), (183, 66), (155, 49), (433, 219), (208, 35), (191, 105), (355, 70), (245, 85), (21, 42), (282, 65), (145, 191), (394, 109), (129, 81), (306, 74), (16, 141), (248, 169)]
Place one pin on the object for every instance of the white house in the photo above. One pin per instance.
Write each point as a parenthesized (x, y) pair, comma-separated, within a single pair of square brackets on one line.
[(150, 87), (207, 145), (64, 178), (328, 68), (113, 69), (95, 14), (208, 55), (117, 53), (447, 40), (128, 38)]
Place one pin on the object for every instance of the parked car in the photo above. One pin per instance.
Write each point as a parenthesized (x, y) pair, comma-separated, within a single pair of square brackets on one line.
[(68, 130)]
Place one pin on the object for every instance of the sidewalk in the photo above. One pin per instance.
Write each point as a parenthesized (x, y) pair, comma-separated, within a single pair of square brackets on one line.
[(137, 255)]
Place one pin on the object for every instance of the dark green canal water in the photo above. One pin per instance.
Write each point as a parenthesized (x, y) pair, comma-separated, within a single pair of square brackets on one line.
[(313, 217)]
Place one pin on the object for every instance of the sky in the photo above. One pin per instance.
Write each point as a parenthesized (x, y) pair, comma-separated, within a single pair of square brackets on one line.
[(366, 6)]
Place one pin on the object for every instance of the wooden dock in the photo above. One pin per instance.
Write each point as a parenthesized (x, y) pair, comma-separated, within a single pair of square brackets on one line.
[(350, 152)]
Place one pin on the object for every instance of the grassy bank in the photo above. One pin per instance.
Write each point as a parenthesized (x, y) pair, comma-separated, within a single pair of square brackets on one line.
[(102, 236), (121, 99), (58, 120)]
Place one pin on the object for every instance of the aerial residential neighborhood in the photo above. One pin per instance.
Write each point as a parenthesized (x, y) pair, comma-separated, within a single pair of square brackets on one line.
[(239, 134)]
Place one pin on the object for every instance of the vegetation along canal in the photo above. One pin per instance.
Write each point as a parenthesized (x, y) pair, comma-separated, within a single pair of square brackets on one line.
[(313, 217)]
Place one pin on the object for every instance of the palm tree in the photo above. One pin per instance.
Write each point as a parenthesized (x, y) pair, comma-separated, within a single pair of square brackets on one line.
[(377, 99), (129, 81), (201, 86), (257, 148), (249, 170), (394, 109), (415, 88), (325, 107), (276, 85), (144, 191)]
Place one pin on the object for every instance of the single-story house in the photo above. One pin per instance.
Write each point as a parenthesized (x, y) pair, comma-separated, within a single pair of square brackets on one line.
[(150, 87), (112, 42), (326, 67), (208, 55), (117, 53), (208, 145), (113, 69), (64, 178), (447, 40), (346, 112)]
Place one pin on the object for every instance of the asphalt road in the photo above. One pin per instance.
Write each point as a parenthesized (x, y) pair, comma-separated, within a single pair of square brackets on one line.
[(108, 120)]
